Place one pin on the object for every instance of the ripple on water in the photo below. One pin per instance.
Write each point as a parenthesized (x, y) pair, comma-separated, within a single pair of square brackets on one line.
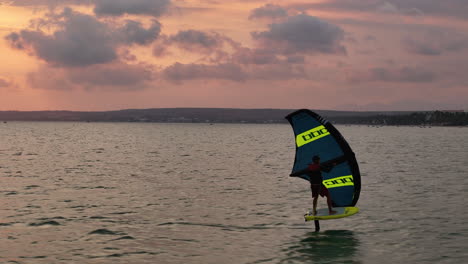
[(47, 222), (104, 231)]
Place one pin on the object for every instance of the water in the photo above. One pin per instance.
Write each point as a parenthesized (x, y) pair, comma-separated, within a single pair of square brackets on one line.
[(201, 193)]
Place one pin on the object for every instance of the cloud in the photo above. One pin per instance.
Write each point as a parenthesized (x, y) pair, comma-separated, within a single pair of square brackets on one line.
[(353, 5), (51, 3), (387, 7), (113, 76), (257, 56), (4, 83), (179, 72), (154, 8), (82, 51), (302, 34), (396, 75), (195, 40), (134, 32), (214, 47), (277, 72), (125, 76), (404, 74), (231, 60), (81, 39), (254, 56), (269, 11), (15, 40), (451, 8), (48, 78), (435, 42)]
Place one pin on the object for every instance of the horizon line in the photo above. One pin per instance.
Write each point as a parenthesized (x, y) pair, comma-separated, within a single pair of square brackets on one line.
[(236, 108)]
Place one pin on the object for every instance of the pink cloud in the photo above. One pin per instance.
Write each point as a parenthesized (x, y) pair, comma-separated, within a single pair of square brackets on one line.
[(114, 76), (302, 34), (434, 42), (81, 39), (4, 83), (197, 41), (269, 11), (386, 74), (135, 7), (182, 72)]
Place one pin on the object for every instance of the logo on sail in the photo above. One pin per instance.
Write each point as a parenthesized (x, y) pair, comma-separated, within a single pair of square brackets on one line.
[(311, 135), (339, 182)]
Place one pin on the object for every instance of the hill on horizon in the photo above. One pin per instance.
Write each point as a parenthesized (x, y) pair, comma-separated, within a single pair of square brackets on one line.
[(187, 115)]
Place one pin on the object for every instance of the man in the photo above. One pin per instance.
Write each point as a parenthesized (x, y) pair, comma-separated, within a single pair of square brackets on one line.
[(314, 171)]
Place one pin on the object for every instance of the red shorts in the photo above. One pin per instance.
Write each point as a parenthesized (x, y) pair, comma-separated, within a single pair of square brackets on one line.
[(318, 189)]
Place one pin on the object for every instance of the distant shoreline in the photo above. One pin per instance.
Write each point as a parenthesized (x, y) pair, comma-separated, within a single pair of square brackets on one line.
[(232, 115)]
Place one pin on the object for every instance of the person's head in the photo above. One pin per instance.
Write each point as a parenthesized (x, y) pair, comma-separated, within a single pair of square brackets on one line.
[(316, 159)]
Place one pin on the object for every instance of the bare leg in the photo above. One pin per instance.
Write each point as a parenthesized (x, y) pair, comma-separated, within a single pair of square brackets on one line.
[(314, 211), (330, 207)]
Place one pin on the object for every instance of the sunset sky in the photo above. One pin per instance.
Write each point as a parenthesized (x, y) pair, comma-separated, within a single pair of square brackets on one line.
[(92, 55)]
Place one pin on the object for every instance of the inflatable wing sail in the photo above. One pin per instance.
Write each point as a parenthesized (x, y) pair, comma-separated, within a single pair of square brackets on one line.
[(316, 136)]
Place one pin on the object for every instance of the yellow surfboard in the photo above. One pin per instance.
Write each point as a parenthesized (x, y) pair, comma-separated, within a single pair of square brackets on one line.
[(323, 214)]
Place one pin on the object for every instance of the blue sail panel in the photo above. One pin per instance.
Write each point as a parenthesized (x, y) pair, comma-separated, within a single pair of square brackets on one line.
[(316, 136)]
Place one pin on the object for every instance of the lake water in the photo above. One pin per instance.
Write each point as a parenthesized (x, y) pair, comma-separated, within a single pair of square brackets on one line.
[(201, 193)]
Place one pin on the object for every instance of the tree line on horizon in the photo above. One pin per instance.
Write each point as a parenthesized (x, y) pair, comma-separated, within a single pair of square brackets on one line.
[(436, 118), (269, 116)]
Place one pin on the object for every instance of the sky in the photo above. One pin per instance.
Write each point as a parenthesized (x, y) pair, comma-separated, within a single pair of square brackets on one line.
[(364, 55)]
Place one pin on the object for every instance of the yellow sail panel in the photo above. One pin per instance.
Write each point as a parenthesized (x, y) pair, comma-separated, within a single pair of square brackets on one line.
[(339, 181), (311, 135)]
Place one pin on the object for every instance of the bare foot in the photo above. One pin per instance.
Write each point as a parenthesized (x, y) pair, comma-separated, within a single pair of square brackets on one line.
[(331, 212)]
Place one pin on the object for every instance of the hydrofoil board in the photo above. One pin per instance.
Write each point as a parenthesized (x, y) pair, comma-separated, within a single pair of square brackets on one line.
[(323, 214)]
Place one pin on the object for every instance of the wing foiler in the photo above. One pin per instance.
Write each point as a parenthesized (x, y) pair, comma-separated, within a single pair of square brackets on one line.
[(316, 136)]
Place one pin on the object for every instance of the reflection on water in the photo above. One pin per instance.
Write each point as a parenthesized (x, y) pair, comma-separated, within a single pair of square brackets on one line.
[(331, 246)]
